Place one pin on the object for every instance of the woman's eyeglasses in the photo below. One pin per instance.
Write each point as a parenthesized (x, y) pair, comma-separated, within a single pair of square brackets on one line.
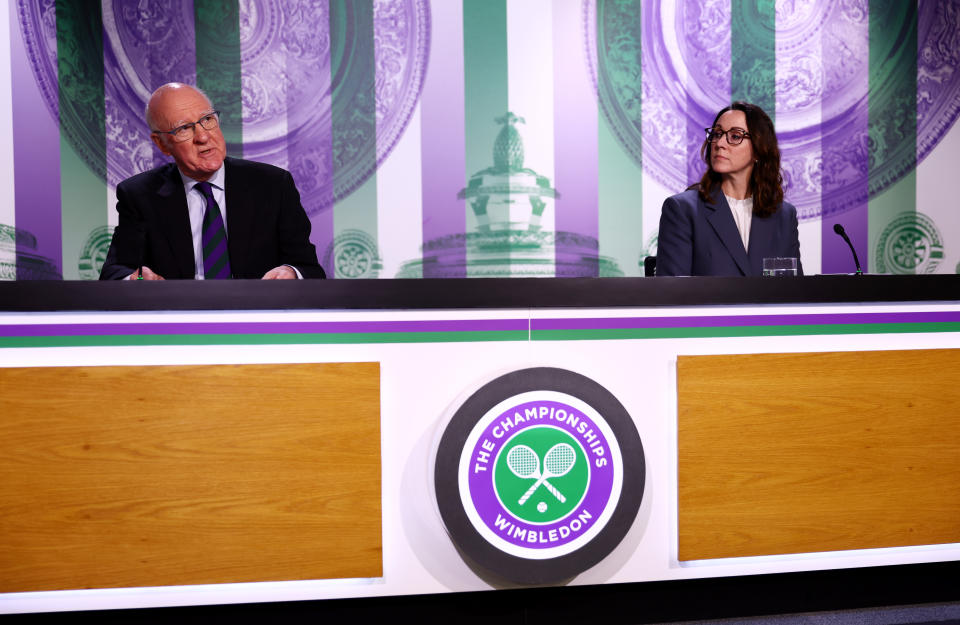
[(735, 136)]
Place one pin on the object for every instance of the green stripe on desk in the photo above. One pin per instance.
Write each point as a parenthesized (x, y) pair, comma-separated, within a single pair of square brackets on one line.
[(739, 331), (262, 339)]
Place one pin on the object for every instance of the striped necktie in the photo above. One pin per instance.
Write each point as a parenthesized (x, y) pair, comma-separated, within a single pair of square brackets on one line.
[(216, 259)]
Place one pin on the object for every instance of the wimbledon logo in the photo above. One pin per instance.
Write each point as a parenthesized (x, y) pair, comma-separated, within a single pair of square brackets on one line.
[(539, 475)]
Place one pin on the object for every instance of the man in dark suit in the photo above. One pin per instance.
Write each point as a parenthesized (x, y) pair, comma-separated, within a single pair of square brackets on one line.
[(206, 215)]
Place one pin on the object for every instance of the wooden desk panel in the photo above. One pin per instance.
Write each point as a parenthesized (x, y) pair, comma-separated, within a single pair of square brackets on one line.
[(794, 453), (160, 475)]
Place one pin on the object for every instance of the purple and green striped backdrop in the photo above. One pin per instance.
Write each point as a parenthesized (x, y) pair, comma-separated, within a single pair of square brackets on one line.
[(392, 116)]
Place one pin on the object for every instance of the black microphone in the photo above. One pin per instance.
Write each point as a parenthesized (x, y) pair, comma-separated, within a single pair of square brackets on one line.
[(839, 230)]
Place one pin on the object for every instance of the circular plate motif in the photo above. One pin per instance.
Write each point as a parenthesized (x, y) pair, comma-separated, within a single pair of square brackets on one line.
[(94, 252), (353, 254), (685, 84), (910, 244), (287, 100)]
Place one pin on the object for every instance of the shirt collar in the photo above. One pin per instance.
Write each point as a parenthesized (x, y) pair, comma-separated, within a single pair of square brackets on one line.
[(216, 180)]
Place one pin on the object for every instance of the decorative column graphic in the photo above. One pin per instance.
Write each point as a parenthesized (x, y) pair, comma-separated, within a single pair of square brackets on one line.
[(509, 201), (19, 247)]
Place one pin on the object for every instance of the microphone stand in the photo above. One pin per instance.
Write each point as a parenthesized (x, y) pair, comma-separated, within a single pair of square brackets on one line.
[(839, 230)]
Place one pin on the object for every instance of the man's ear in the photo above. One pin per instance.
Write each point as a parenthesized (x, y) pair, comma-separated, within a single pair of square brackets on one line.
[(160, 143)]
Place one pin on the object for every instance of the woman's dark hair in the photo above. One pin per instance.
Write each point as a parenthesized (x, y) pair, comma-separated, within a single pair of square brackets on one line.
[(766, 181)]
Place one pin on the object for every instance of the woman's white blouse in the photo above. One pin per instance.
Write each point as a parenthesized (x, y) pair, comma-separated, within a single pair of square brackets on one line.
[(743, 215)]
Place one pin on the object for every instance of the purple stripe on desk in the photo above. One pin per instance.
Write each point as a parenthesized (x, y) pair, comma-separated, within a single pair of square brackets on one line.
[(742, 320), (265, 327), (471, 325)]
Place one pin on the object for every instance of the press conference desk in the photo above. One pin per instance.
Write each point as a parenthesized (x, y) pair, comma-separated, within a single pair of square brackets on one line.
[(253, 442), (481, 293)]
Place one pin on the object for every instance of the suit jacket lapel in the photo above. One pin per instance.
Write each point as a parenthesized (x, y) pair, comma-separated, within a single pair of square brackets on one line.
[(763, 234), (720, 218), (174, 221), (240, 200)]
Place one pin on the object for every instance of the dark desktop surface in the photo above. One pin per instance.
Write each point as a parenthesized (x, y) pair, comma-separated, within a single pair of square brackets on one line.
[(481, 293)]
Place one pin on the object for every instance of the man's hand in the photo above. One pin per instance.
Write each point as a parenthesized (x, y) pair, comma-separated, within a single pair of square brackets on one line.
[(147, 274), (283, 272)]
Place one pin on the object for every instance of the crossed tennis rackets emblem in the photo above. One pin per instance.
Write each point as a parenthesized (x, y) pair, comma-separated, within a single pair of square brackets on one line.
[(525, 463)]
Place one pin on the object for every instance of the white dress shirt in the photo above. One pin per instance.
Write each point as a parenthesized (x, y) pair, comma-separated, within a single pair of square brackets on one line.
[(743, 216)]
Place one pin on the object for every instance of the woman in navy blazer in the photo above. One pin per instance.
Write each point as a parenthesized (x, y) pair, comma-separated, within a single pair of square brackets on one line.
[(701, 234)]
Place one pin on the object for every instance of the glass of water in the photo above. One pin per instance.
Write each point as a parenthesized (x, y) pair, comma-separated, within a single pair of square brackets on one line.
[(780, 266)]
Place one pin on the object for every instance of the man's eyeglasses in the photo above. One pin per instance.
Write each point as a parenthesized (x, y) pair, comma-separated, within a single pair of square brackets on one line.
[(185, 133), (735, 136)]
